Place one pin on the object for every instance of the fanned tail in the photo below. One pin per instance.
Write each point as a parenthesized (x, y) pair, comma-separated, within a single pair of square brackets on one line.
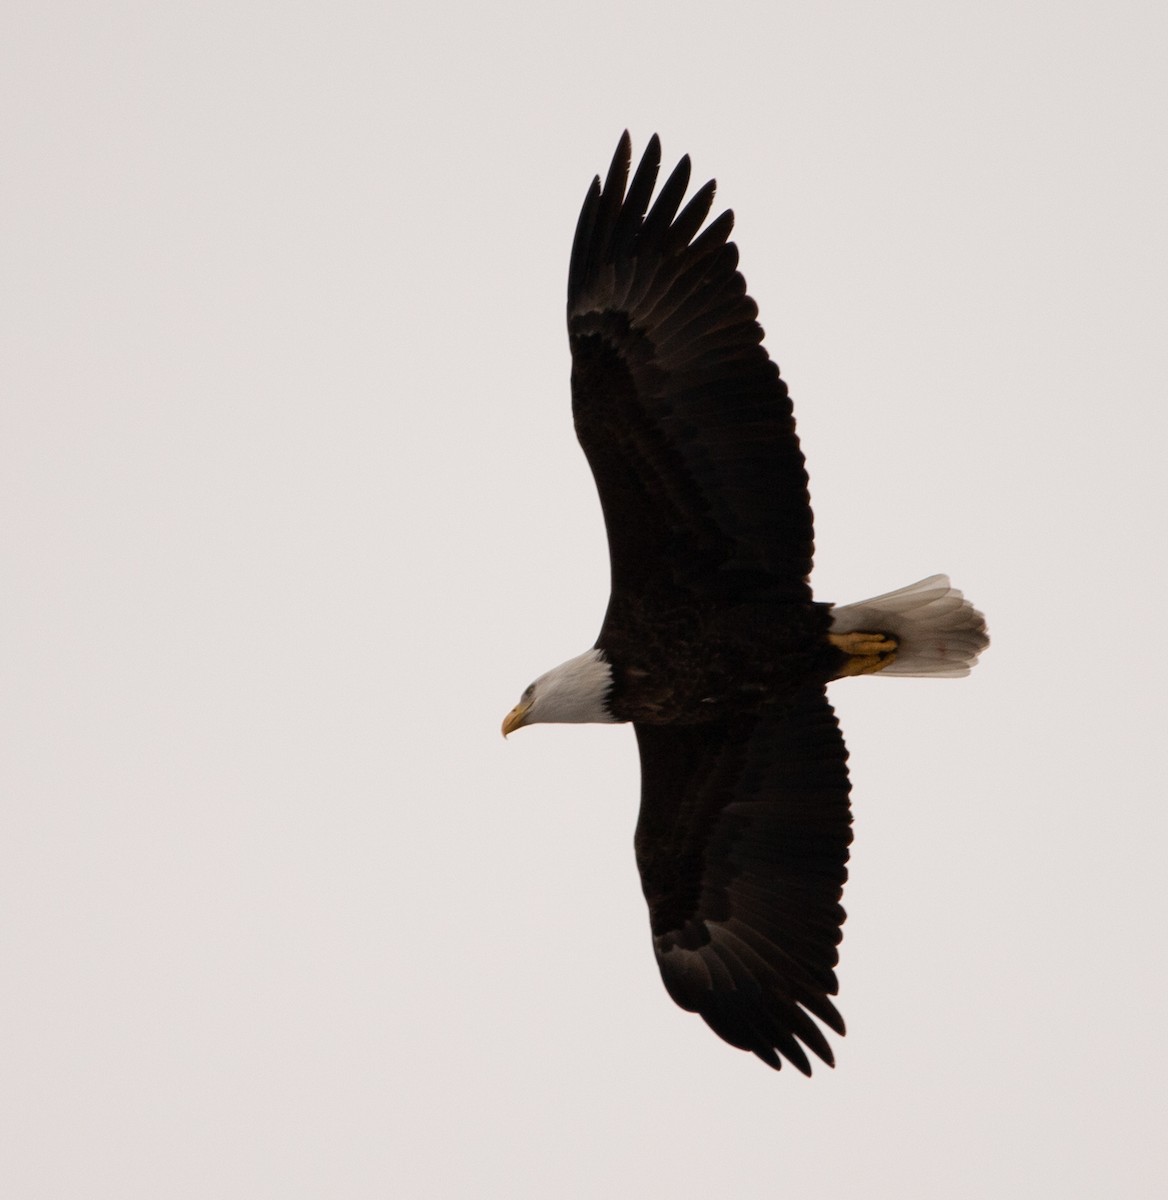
[(939, 633)]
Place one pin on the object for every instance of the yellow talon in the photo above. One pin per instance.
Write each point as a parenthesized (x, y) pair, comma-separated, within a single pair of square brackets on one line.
[(867, 652)]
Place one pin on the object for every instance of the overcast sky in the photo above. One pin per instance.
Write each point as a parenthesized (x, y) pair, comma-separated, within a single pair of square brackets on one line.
[(293, 510)]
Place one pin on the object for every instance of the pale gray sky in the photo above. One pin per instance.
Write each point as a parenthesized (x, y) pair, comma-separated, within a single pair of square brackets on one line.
[(293, 510)]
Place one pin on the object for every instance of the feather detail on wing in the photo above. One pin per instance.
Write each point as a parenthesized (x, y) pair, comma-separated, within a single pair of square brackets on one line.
[(684, 419), (742, 845)]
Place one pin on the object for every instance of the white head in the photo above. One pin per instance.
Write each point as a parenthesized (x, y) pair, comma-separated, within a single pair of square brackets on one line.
[(574, 692)]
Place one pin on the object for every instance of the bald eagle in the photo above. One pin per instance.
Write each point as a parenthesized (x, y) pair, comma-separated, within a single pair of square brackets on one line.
[(712, 646)]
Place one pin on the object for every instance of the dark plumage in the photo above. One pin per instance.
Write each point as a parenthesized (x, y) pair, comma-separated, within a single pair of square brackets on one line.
[(712, 645)]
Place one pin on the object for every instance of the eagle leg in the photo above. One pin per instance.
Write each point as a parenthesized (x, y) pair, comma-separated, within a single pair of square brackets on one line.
[(867, 652)]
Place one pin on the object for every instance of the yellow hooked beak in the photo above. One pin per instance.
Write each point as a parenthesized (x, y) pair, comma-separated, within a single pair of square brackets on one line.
[(517, 717)]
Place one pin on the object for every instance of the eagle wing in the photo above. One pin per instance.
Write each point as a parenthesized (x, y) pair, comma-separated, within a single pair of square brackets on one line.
[(684, 419), (742, 845)]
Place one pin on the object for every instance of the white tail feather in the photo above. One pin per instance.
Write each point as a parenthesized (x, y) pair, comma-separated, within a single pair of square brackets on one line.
[(939, 632)]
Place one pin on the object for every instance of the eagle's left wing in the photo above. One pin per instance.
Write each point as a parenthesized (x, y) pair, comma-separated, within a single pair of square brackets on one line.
[(684, 419)]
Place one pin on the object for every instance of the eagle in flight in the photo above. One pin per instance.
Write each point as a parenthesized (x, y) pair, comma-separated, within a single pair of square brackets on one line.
[(712, 646)]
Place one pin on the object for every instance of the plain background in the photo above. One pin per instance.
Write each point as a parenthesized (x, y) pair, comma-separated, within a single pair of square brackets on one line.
[(293, 511)]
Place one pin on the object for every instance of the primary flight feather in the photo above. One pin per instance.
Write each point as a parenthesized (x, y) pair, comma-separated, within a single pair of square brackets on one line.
[(712, 646)]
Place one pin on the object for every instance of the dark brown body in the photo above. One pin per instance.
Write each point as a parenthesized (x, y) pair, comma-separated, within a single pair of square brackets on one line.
[(705, 661)]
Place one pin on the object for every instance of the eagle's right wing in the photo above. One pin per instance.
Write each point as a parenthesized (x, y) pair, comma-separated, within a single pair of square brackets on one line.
[(742, 845)]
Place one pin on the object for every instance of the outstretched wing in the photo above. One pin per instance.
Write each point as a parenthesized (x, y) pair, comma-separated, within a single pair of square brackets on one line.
[(684, 419), (742, 844)]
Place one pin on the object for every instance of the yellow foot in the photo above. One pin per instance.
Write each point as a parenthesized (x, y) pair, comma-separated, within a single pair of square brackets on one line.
[(867, 652)]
